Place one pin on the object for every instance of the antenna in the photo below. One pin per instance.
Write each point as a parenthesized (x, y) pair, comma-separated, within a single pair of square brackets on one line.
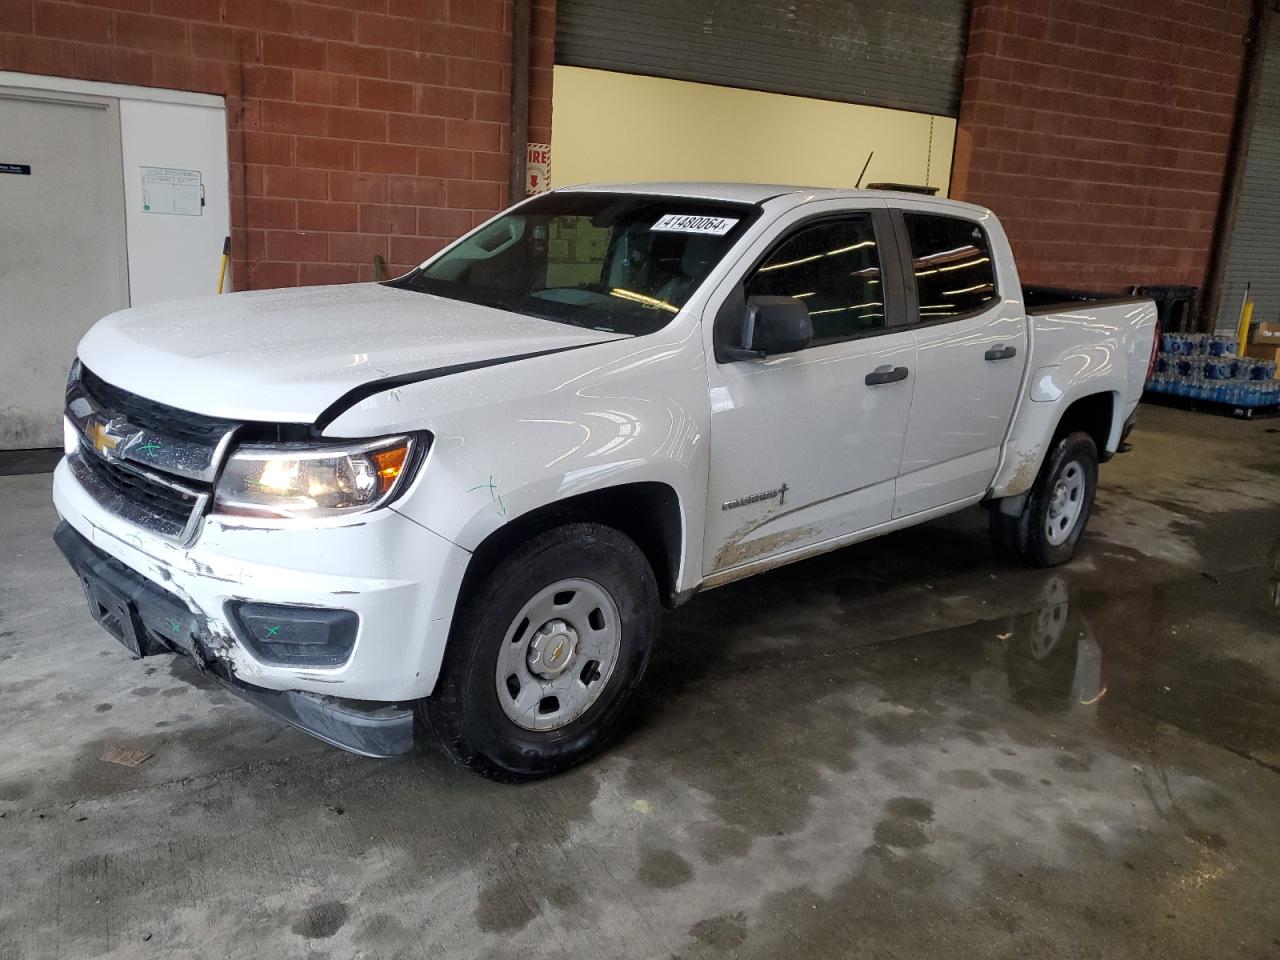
[(858, 185)]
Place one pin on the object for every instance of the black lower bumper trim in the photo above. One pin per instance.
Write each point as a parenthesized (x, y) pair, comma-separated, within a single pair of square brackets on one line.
[(357, 726), (149, 620)]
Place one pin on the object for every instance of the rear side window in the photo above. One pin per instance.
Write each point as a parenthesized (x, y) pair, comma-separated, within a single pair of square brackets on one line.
[(831, 267), (952, 263)]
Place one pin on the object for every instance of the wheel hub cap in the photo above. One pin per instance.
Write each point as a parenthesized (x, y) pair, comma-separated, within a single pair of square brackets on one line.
[(558, 654), (552, 649), (1066, 503), (1060, 496)]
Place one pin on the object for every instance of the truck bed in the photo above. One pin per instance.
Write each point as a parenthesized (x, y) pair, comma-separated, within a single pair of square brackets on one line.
[(1043, 300)]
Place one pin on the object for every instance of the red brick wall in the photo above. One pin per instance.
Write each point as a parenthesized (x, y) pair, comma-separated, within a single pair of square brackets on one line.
[(356, 127), (1098, 133)]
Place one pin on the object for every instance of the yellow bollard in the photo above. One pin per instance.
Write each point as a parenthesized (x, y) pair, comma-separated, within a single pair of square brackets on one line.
[(222, 265), (1246, 315)]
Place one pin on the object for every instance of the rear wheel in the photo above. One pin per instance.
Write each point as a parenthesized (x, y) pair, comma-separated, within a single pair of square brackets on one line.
[(1056, 511), (546, 654)]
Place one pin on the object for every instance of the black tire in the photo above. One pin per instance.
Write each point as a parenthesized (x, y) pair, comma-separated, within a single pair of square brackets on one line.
[(464, 712), (1025, 535)]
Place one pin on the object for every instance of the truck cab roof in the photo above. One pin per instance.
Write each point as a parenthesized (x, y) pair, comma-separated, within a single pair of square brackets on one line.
[(759, 193)]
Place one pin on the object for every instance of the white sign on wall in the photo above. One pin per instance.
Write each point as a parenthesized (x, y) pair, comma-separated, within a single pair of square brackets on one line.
[(173, 191), (537, 168)]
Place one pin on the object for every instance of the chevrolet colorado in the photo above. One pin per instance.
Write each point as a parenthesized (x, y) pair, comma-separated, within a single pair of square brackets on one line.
[(460, 497)]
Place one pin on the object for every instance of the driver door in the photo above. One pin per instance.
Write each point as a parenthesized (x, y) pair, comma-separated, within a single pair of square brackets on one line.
[(806, 446)]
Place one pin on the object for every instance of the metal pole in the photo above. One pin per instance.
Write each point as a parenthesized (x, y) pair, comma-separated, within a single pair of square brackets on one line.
[(519, 129)]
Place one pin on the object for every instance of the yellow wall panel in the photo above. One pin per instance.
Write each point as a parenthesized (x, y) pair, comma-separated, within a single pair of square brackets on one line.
[(617, 126)]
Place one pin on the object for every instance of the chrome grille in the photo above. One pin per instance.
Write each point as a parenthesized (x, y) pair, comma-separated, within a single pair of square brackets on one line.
[(170, 505), (157, 417), (150, 464)]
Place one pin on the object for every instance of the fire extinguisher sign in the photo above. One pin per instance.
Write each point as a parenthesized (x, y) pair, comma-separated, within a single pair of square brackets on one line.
[(537, 168)]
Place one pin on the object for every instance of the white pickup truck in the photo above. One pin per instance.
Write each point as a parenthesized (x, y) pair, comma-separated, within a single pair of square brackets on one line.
[(462, 495)]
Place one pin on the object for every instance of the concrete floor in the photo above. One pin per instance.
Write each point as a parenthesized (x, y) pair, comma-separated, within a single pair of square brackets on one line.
[(904, 749)]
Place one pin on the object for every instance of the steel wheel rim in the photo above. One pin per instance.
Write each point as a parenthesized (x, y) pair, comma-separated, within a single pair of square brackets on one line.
[(1066, 503), (558, 654)]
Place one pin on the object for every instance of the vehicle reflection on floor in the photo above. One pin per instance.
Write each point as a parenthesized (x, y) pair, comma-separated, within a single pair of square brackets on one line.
[(1110, 646), (1051, 658)]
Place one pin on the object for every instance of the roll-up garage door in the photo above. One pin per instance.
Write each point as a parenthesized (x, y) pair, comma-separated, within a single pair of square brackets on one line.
[(907, 55), (1254, 253)]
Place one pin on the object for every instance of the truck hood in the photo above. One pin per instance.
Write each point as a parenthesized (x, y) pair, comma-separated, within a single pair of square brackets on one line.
[(287, 355)]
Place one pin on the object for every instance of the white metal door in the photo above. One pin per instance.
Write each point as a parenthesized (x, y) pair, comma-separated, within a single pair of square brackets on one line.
[(803, 447), (174, 247), (971, 345), (62, 250), (967, 379), (808, 436)]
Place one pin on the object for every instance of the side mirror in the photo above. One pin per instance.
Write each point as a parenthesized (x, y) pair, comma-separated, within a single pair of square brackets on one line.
[(775, 325)]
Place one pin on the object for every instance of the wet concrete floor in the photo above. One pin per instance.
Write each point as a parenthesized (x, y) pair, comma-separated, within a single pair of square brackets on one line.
[(904, 749)]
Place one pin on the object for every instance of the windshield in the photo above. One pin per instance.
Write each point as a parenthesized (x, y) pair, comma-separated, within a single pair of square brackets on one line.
[(622, 263)]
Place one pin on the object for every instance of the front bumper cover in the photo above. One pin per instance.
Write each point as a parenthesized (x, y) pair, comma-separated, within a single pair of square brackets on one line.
[(149, 620)]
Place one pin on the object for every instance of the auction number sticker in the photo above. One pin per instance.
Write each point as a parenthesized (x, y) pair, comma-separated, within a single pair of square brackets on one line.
[(683, 223)]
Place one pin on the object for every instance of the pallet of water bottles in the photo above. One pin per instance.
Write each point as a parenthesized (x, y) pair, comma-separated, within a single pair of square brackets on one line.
[(1203, 367)]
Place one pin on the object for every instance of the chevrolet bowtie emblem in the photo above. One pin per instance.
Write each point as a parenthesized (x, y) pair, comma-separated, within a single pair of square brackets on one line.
[(104, 437), (102, 441)]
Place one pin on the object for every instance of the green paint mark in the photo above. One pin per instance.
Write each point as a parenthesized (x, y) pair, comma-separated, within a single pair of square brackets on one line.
[(175, 626), (493, 495), (149, 447), (272, 631)]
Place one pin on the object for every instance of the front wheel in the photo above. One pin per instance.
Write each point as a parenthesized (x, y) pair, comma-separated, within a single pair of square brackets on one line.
[(546, 654), (1057, 508)]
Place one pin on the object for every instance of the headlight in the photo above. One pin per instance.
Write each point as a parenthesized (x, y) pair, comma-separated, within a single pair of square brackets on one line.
[(313, 480)]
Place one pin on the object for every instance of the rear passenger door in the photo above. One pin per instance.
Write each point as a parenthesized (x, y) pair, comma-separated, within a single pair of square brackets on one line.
[(971, 347)]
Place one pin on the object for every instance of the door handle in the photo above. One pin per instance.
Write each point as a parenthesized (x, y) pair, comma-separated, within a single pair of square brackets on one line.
[(886, 374), (1001, 352)]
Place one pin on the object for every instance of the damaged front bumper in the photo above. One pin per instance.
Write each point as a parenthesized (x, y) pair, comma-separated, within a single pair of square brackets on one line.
[(149, 620), (397, 578), (220, 600)]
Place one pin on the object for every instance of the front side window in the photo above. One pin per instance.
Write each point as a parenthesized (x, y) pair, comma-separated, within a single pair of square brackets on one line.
[(622, 263), (952, 263), (834, 269)]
